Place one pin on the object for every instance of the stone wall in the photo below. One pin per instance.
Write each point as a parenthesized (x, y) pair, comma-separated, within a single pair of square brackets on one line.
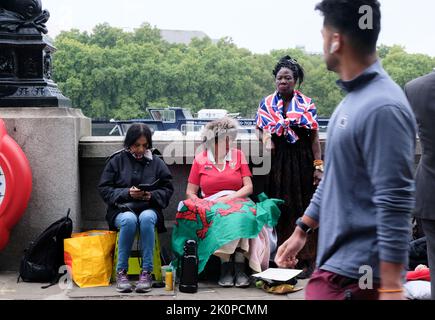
[(55, 154), (50, 139), (95, 150)]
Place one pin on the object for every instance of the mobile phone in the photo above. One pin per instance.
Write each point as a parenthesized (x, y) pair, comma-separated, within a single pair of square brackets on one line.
[(149, 187)]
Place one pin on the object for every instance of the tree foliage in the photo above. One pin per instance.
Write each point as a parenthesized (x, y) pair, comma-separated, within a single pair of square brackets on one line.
[(110, 73)]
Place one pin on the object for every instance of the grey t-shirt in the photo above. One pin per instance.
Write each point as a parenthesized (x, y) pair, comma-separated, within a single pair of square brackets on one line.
[(364, 202)]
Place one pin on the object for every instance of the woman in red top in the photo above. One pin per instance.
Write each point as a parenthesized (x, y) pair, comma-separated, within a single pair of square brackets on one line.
[(222, 174), (229, 172)]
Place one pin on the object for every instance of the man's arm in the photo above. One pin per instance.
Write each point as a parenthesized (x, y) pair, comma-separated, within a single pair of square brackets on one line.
[(391, 281), (388, 146), (287, 252), (312, 213)]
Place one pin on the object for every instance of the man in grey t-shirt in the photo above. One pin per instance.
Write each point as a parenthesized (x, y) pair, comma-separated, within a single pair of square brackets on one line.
[(363, 205)]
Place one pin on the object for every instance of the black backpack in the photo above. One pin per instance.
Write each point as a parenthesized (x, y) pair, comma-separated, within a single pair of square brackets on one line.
[(43, 257)]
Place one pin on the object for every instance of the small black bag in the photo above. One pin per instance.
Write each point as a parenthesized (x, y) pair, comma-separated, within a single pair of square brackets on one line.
[(43, 257), (136, 207)]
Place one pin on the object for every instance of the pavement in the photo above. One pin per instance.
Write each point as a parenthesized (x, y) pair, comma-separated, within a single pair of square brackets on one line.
[(11, 290)]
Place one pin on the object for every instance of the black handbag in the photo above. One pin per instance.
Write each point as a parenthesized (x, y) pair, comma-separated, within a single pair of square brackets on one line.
[(137, 207)]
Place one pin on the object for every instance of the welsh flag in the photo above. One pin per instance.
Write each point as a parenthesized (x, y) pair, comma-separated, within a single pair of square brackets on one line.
[(214, 224)]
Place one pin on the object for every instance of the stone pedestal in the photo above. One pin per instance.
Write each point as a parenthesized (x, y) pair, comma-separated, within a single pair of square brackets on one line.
[(50, 139)]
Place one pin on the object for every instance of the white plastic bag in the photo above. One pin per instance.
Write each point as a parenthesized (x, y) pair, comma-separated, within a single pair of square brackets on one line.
[(418, 290)]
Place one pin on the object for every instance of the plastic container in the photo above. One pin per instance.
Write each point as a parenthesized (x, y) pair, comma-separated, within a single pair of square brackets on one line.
[(163, 270), (169, 279)]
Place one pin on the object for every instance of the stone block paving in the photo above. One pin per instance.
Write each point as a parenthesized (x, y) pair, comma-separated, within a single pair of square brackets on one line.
[(11, 290)]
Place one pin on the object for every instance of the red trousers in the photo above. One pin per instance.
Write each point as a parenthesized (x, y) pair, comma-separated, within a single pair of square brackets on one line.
[(325, 285)]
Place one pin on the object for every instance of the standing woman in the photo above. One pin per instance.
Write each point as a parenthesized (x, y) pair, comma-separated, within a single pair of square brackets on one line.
[(287, 122), (131, 210)]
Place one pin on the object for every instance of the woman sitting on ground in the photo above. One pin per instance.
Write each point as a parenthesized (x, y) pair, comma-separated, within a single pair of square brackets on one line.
[(232, 226), (131, 210)]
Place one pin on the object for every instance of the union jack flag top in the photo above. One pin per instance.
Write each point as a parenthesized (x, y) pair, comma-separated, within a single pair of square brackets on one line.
[(301, 113)]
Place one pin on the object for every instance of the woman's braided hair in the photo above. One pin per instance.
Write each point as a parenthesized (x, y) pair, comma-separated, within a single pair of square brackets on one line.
[(292, 64)]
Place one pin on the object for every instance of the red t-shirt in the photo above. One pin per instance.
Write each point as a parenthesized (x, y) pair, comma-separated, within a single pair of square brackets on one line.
[(211, 181)]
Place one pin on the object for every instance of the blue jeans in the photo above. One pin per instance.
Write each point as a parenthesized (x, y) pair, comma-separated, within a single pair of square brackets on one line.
[(128, 224)]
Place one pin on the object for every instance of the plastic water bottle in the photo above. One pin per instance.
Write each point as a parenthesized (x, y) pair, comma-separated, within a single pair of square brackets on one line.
[(189, 268)]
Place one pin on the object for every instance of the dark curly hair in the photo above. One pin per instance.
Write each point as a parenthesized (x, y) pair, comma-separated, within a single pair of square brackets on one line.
[(292, 64), (344, 15)]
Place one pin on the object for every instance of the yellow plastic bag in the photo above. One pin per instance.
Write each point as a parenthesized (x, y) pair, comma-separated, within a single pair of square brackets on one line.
[(89, 257)]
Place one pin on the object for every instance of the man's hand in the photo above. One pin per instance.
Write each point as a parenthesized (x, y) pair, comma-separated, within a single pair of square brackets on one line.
[(287, 252)]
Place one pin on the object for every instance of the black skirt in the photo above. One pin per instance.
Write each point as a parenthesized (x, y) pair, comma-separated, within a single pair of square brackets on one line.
[(291, 179)]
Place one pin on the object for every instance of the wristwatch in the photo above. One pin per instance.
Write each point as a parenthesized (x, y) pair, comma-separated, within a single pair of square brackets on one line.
[(305, 228)]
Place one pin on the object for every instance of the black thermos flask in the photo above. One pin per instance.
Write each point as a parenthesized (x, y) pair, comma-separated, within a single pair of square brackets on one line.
[(189, 268)]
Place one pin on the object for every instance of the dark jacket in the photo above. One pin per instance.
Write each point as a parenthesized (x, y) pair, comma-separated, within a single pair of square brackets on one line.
[(123, 171), (421, 95)]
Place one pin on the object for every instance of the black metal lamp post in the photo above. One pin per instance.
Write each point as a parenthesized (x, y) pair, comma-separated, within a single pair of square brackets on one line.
[(26, 57)]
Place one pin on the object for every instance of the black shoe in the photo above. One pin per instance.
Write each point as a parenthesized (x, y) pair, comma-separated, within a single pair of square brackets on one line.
[(226, 279)]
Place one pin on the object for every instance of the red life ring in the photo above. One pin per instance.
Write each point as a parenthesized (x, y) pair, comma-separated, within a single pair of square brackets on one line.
[(15, 184)]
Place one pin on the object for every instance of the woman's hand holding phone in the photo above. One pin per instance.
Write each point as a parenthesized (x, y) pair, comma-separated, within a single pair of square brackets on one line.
[(147, 196), (143, 191), (138, 194)]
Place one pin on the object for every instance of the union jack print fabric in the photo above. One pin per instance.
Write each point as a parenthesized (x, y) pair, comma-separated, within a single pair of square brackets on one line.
[(302, 113)]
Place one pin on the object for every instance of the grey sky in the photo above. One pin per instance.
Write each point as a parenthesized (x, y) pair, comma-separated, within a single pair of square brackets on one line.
[(258, 25)]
